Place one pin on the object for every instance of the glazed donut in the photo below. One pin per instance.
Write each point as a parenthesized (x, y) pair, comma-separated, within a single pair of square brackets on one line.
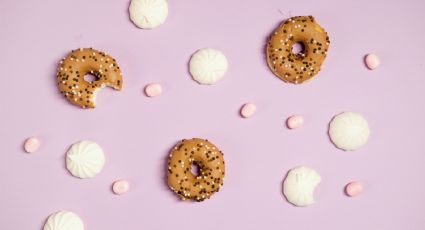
[(81, 62), (303, 66), (210, 162)]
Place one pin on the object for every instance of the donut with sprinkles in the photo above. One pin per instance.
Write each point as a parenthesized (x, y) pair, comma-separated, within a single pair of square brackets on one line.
[(299, 67), (83, 61), (210, 162)]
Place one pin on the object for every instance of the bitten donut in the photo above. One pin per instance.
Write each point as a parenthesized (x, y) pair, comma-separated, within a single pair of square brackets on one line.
[(81, 62), (209, 178), (303, 66)]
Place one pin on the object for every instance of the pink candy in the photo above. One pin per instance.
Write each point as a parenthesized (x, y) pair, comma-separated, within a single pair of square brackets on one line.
[(295, 121), (153, 90), (31, 145), (120, 187), (372, 61), (248, 110), (353, 188)]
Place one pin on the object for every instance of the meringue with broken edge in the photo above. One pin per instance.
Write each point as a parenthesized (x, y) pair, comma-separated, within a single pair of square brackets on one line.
[(64, 220), (85, 159), (207, 66), (148, 14), (349, 131), (299, 185)]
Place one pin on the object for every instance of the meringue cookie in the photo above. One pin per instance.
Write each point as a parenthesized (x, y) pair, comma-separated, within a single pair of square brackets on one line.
[(299, 185), (64, 220), (85, 159), (148, 14), (349, 131), (207, 66)]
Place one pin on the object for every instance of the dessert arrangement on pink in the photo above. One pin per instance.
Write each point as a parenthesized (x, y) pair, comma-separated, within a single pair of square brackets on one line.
[(347, 130)]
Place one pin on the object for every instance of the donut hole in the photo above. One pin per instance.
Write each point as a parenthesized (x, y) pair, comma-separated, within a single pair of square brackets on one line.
[(298, 48), (90, 78), (195, 169)]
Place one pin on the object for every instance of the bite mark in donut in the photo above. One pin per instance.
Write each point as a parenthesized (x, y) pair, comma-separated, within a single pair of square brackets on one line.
[(303, 66), (83, 61), (210, 162)]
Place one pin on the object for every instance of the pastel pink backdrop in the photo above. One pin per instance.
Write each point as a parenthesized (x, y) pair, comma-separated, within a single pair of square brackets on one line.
[(137, 132)]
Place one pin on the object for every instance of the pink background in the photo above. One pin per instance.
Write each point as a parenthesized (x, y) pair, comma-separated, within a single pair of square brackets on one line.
[(137, 132)]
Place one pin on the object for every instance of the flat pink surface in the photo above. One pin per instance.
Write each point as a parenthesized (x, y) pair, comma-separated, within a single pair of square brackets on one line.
[(137, 132)]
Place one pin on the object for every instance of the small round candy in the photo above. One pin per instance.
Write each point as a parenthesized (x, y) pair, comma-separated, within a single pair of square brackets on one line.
[(120, 187), (31, 145), (372, 61), (248, 110), (153, 90), (295, 121), (353, 188)]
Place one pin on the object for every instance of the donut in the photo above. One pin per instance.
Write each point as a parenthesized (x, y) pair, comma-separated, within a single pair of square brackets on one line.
[(209, 178), (303, 66), (83, 61)]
